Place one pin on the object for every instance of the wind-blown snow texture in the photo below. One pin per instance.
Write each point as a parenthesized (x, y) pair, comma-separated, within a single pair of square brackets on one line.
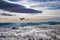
[(31, 33)]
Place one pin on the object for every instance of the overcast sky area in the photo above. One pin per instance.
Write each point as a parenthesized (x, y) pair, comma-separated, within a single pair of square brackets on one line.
[(33, 8)]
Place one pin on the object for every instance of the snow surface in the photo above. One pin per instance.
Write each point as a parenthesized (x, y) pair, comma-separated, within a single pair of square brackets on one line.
[(30, 33)]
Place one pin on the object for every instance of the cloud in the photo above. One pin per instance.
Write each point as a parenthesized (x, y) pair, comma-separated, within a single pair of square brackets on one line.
[(5, 14), (44, 0), (14, 0), (16, 8), (47, 4)]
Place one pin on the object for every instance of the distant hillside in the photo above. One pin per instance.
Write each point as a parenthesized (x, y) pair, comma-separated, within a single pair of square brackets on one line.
[(27, 24)]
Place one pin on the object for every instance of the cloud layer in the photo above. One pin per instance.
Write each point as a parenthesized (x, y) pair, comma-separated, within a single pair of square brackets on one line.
[(44, 0), (48, 4), (16, 8)]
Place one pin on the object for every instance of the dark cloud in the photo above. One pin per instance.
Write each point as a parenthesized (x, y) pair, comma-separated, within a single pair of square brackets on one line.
[(16, 8), (5, 14), (14, 0)]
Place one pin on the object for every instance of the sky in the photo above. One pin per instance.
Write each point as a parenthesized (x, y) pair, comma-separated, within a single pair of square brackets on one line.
[(48, 4), (34, 10)]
